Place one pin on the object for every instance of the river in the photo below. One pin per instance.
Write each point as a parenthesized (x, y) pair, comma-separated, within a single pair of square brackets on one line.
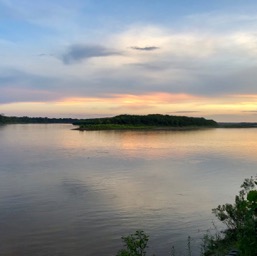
[(66, 192)]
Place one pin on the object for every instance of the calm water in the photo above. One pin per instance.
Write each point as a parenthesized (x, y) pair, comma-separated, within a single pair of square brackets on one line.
[(65, 192)]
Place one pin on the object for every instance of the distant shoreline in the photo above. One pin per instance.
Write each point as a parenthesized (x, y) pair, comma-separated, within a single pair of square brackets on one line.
[(237, 125), (131, 122), (156, 128), (141, 128)]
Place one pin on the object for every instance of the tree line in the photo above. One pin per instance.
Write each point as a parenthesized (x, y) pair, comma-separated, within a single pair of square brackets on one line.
[(149, 120), (132, 120), (36, 120)]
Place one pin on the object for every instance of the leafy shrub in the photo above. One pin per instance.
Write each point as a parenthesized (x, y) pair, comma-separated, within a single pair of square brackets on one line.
[(135, 244), (240, 219)]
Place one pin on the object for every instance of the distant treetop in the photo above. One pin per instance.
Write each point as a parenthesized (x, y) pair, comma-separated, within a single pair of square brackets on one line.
[(149, 120)]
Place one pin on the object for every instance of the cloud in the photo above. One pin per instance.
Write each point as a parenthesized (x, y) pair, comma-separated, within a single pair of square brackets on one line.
[(78, 53), (20, 86), (147, 48), (17, 94), (220, 21), (185, 111), (45, 55), (193, 63), (50, 14)]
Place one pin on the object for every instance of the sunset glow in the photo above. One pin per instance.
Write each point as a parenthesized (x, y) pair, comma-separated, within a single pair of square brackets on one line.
[(84, 59)]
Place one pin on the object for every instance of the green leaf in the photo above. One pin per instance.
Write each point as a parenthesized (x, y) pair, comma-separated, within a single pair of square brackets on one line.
[(252, 196)]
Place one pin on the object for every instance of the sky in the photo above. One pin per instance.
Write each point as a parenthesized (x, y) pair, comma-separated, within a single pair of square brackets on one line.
[(94, 58)]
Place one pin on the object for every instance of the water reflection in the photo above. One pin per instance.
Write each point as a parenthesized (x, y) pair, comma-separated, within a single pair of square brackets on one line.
[(162, 144), (64, 191)]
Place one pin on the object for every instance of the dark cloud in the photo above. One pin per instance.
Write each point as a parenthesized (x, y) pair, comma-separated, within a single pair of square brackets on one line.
[(19, 77), (223, 82), (174, 63), (151, 66), (147, 48), (208, 81), (19, 86), (15, 94), (77, 53)]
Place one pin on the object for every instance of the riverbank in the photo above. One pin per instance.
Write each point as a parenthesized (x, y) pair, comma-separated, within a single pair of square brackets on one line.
[(135, 127), (237, 125)]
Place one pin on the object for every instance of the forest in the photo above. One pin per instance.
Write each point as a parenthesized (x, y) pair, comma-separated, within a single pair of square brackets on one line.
[(144, 121), (117, 122), (33, 120)]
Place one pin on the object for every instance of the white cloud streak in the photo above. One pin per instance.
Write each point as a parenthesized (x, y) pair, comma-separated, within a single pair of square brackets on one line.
[(153, 59)]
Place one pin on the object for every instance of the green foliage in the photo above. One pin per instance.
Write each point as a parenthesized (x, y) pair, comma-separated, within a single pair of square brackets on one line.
[(117, 122), (153, 120), (33, 120), (240, 219), (252, 196), (241, 223), (214, 243), (135, 244)]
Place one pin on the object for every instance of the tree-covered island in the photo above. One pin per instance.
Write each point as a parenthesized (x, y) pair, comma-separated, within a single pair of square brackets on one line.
[(129, 122), (152, 121)]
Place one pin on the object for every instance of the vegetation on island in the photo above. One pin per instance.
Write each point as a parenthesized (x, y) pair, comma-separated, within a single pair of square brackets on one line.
[(238, 238), (128, 122), (153, 121)]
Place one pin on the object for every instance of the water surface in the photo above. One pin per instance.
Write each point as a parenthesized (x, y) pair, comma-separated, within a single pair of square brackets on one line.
[(65, 192)]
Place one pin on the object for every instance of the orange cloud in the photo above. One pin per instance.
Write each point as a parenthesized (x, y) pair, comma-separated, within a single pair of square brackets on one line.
[(127, 99), (234, 107)]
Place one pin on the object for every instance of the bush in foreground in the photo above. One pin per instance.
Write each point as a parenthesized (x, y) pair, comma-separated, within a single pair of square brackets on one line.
[(239, 218), (135, 244)]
